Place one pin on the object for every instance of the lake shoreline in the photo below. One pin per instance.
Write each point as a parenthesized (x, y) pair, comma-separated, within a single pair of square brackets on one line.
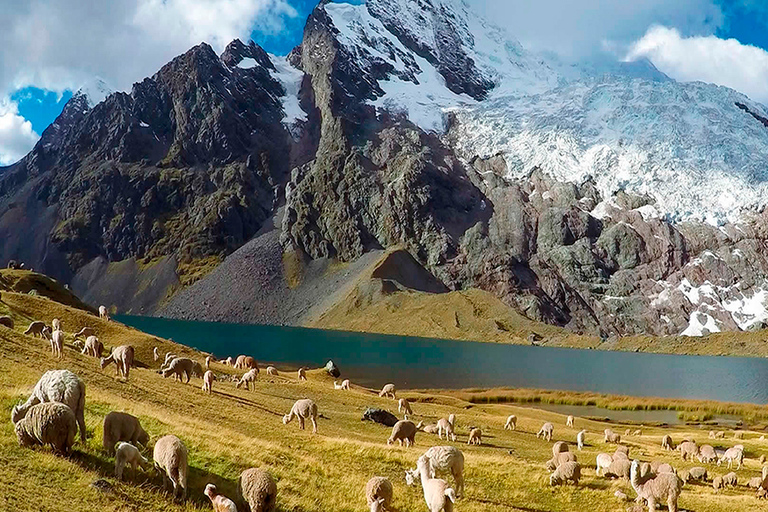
[(526, 397), (722, 344), (372, 360)]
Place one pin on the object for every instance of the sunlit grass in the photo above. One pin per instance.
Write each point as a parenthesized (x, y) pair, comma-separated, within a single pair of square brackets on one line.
[(233, 429)]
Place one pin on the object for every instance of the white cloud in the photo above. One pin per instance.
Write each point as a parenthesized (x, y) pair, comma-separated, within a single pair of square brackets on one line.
[(63, 44), (16, 134), (578, 28), (59, 44), (724, 62)]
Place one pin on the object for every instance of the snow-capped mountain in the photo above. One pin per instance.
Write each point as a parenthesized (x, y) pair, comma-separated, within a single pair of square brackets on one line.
[(601, 196), (95, 91), (693, 152), (625, 125)]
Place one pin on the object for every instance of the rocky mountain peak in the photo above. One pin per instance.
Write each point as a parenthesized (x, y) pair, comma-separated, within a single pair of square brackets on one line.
[(236, 52)]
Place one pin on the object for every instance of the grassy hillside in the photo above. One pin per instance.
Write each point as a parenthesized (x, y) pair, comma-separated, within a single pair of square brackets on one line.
[(24, 281), (232, 429)]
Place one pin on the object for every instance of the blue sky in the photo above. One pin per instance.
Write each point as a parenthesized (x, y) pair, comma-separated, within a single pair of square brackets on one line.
[(129, 39)]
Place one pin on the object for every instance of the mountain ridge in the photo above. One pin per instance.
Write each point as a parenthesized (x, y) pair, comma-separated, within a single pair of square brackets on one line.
[(544, 184)]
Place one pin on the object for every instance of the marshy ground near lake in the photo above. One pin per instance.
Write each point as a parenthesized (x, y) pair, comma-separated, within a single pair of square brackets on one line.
[(233, 429)]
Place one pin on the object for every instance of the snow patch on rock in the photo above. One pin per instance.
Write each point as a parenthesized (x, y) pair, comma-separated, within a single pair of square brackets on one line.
[(700, 324), (290, 78), (247, 63)]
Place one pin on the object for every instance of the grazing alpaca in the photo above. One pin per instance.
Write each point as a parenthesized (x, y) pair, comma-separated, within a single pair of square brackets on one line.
[(664, 486), (437, 494)]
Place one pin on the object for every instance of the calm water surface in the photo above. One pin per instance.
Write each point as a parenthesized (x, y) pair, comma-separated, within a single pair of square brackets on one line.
[(374, 359)]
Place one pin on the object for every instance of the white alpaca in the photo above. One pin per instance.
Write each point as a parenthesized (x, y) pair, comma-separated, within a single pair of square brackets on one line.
[(580, 439), (438, 496)]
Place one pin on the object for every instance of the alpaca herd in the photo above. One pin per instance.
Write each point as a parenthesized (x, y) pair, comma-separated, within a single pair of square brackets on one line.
[(54, 414), (654, 482)]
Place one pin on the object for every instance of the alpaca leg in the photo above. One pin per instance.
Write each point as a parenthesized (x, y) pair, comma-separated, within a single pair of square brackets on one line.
[(651, 504), (301, 422), (459, 479), (672, 503), (314, 425), (448, 506)]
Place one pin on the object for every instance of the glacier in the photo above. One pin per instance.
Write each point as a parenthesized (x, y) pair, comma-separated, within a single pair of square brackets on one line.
[(624, 125)]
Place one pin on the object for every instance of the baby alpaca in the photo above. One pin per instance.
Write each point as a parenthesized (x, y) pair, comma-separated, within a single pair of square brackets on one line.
[(127, 454), (303, 409), (511, 423), (404, 406), (302, 374), (220, 502), (546, 431), (569, 421), (103, 314), (250, 377), (475, 436), (208, 379), (388, 391)]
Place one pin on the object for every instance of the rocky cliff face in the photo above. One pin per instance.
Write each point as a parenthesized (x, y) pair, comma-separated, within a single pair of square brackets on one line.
[(567, 192), (186, 164), (567, 252)]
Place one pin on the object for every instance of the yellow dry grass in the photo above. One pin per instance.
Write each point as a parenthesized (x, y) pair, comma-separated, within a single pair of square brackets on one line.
[(232, 429)]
